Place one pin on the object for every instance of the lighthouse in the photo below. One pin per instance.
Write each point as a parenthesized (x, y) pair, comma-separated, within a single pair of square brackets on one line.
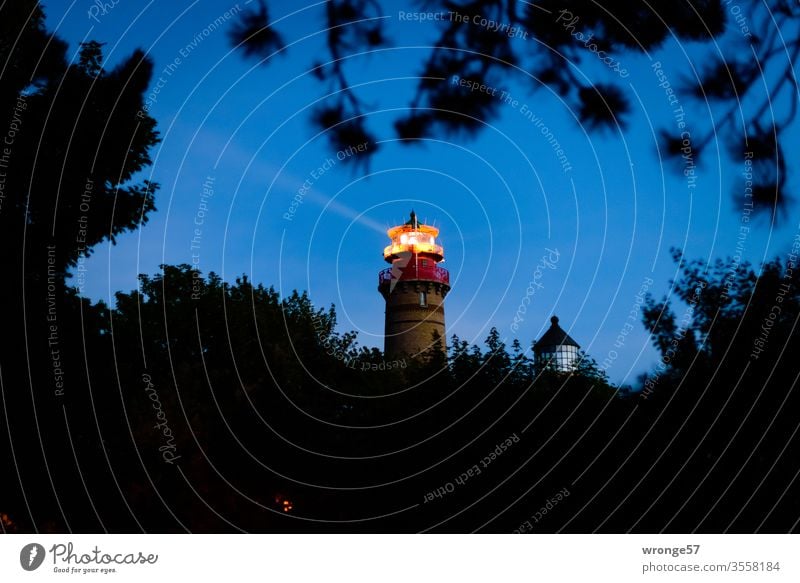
[(556, 349), (414, 288)]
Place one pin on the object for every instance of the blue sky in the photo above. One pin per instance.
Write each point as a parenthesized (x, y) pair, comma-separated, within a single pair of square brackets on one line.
[(501, 199)]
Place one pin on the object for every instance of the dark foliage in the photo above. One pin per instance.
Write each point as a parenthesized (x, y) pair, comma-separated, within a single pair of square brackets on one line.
[(268, 406), (74, 138), (561, 39), (254, 34)]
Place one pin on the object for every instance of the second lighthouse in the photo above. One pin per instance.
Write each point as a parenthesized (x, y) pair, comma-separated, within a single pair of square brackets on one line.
[(414, 288)]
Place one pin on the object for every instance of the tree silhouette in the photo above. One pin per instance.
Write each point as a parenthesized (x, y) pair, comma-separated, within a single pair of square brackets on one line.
[(742, 87), (720, 401), (75, 137)]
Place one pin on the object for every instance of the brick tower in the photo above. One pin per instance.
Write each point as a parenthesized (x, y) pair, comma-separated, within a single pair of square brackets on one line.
[(414, 288)]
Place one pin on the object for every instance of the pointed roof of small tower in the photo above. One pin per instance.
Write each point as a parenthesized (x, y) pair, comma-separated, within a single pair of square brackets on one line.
[(555, 336)]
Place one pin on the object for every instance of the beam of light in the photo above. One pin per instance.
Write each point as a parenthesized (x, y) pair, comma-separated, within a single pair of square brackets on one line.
[(292, 183), (343, 210)]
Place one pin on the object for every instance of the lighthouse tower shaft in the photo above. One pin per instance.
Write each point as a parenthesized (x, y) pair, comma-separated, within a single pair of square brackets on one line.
[(414, 288)]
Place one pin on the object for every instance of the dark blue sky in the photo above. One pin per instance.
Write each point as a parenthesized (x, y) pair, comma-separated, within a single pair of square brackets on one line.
[(502, 199)]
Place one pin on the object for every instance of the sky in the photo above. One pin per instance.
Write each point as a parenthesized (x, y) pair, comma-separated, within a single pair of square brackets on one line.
[(237, 144)]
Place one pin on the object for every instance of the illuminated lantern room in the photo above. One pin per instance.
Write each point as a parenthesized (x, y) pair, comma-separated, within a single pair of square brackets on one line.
[(556, 349), (414, 288), (413, 237)]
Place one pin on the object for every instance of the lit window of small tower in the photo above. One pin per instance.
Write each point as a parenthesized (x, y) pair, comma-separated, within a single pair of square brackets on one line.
[(414, 288), (555, 349)]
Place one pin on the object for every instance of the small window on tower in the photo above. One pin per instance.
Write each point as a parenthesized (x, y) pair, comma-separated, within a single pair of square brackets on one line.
[(423, 299), (424, 263)]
